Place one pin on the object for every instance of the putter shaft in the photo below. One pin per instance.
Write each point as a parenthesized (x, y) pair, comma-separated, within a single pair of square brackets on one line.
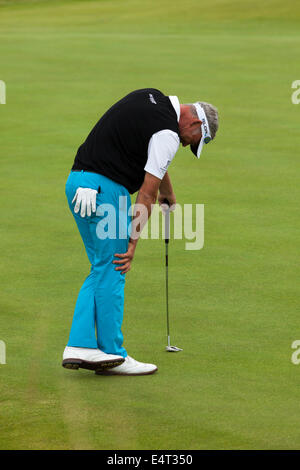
[(167, 236)]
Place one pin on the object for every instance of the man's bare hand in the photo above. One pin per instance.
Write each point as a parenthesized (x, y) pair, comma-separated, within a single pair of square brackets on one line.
[(124, 263), (170, 197)]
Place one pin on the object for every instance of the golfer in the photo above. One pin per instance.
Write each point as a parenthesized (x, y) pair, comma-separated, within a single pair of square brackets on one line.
[(128, 150)]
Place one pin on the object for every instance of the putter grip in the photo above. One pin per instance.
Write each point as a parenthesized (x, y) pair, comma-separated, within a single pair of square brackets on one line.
[(167, 222)]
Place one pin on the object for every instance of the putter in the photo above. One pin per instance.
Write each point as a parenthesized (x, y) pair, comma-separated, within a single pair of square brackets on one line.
[(169, 348)]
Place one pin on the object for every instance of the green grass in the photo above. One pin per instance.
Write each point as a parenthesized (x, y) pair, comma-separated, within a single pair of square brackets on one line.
[(234, 304)]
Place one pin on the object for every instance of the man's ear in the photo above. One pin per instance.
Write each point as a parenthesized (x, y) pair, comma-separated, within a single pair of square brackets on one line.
[(196, 123), (196, 127)]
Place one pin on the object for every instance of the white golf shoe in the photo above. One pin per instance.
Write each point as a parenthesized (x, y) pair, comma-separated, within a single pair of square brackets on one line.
[(130, 367), (91, 359)]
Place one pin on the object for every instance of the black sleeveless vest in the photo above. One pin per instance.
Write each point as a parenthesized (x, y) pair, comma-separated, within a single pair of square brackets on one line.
[(117, 147)]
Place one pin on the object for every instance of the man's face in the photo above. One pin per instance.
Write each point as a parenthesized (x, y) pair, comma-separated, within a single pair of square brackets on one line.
[(190, 132)]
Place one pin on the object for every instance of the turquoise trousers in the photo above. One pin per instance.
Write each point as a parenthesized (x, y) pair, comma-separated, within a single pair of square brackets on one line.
[(99, 308)]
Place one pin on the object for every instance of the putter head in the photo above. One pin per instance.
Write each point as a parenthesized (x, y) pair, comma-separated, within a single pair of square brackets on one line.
[(173, 349)]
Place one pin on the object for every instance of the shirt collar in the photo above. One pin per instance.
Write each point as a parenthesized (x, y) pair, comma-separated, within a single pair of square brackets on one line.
[(176, 105)]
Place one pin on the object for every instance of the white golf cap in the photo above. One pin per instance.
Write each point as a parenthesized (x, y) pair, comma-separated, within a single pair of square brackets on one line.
[(206, 136)]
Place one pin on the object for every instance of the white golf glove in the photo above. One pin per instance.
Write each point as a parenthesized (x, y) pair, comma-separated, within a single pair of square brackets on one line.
[(86, 198)]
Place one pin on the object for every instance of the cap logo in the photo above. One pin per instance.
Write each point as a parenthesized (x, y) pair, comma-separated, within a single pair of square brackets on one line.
[(206, 135)]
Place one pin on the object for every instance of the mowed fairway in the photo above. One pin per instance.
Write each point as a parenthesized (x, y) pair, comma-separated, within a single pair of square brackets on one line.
[(234, 305)]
